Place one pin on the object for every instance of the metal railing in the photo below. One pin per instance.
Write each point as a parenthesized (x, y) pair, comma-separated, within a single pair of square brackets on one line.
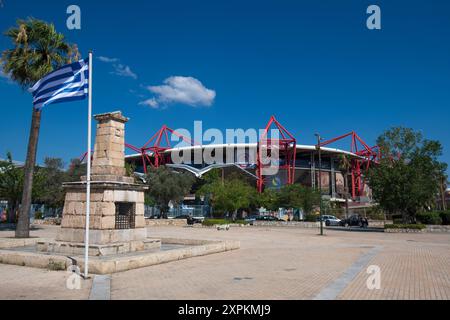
[(191, 210)]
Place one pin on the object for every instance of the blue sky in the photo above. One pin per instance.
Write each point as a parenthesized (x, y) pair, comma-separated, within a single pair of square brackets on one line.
[(313, 64)]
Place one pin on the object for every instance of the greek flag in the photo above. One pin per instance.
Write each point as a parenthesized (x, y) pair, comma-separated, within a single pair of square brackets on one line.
[(67, 83)]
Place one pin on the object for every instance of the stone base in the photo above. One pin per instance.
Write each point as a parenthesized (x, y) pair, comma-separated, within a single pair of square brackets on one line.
[(108, 236), (112, 264), (73, 248)]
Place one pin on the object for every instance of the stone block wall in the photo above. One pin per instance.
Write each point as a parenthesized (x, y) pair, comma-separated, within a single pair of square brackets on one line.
[(109, 150), (102, 208), (165, 222)]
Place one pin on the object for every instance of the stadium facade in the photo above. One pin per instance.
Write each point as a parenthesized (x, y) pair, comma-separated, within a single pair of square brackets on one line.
[(306, 170), (295, 163)]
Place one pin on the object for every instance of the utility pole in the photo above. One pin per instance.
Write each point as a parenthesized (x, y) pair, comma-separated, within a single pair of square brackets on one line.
[(320, 182)]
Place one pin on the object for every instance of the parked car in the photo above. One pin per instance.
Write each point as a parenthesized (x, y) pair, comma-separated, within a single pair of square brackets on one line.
[(268, 218), (190, 219), (183, 216), (251, 219), (355, 220), (330, 220)]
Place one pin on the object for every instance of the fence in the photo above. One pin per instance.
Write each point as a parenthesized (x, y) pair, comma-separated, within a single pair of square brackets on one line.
[(190, 210)]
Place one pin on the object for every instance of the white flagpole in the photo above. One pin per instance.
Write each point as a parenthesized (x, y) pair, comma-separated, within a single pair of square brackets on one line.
[(88, 174)]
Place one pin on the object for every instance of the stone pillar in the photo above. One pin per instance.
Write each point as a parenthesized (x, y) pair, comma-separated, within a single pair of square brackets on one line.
[(109, 150), (112, 228)]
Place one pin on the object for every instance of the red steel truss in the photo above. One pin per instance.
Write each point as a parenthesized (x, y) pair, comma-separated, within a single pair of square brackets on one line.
[(366, 156), (285, 144), (152, 153)]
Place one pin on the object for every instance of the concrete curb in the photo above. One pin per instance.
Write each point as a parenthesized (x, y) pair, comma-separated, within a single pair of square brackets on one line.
[(6, 243), (117, 264)]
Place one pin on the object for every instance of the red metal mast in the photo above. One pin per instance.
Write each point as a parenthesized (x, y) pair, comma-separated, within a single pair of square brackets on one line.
[(152, 153), (367, 155), (287, 147)]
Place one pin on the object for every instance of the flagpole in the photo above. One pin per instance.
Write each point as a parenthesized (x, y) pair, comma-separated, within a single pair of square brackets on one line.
[(88, 174)]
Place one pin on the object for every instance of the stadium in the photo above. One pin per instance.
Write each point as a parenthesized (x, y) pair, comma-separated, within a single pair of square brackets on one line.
[(296, 163)]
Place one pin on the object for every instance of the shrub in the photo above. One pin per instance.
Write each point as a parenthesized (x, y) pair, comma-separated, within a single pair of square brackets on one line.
[(429, 218), (397, 218), (405, 226), (38, 215), (445, 217), (311, 217), (375, 213), (212, 222)]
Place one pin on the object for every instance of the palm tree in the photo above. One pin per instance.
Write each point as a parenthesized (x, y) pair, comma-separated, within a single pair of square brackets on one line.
[(38, 49), (345, 166)]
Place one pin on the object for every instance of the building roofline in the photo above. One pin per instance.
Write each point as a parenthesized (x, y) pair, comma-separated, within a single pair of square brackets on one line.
[(248, 145)]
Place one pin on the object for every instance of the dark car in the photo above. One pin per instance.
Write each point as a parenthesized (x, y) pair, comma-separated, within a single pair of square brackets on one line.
[(267, 218), (251, 219), (355, 220), (190, 219), (183, 216)]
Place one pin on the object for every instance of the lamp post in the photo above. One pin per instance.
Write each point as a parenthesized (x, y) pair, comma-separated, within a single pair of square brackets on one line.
[(320, 181)]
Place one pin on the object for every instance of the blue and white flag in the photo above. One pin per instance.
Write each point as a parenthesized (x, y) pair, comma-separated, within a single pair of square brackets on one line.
[(67, 83)]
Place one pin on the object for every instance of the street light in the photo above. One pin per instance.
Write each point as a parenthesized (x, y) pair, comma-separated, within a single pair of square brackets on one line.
[(320, 181)]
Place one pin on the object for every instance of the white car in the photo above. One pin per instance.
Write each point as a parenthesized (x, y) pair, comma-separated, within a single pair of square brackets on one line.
[(331, 220)]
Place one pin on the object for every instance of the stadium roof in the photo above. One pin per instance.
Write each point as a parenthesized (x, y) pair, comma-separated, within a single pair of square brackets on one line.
[(250, 145)]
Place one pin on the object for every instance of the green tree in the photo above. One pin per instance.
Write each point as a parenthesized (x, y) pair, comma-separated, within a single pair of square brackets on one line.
[(229, 195), (37, 50), (269, 199), (11, 186), (296, 196), (408, 176), (52, 177), (166, 185), (76, 170)]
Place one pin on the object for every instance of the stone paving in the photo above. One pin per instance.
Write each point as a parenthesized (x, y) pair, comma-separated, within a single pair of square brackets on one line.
[(38, 284), (273, 263)]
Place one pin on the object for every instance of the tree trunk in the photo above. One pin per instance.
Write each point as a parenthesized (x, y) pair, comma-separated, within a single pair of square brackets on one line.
[(23, 223)]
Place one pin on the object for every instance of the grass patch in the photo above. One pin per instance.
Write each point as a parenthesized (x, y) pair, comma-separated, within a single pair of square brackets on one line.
[(56, 265), (212, 222)]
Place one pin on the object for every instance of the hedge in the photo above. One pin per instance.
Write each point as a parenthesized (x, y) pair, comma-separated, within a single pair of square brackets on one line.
[(212, 222), (311, 218), (445, 217), (429, 218), (418, 226)]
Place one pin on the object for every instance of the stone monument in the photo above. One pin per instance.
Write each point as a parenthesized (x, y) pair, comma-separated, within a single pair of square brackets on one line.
[(117, 222)]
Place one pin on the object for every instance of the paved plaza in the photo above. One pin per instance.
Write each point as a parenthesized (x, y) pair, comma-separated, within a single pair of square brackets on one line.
[(272, 263)]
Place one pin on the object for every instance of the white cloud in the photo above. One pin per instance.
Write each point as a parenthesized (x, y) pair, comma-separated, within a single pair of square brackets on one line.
[(123, 71), (152, 103), (5, 77), (179, 89), (107, 59), (119, 69)]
